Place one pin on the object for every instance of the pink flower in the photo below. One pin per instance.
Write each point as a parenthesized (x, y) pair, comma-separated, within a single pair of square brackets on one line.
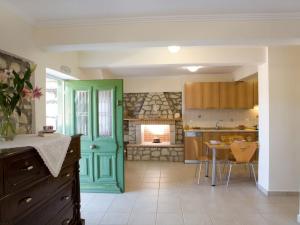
[(37, 93), (3, 77), (27, 93)]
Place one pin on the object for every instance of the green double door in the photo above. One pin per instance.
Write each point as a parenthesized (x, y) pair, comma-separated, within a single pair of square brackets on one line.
[(94, 109)]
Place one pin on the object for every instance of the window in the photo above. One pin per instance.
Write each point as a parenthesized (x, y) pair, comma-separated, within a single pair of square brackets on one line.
[(54, 103)]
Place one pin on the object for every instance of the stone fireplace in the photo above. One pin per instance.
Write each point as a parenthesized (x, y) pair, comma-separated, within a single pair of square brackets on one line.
[(153, 132), (156, 134)]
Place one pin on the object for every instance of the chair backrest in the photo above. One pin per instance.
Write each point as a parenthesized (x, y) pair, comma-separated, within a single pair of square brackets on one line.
[(196, 148), (243, 151)]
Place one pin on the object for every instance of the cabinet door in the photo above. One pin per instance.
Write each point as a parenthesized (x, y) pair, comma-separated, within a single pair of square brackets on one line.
[(227, 95), (193, 96), (86, 167), (255, 90), (211, 95), (244, 95)]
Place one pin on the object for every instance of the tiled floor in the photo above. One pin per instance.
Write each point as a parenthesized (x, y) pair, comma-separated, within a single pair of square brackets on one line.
[(161, 193)]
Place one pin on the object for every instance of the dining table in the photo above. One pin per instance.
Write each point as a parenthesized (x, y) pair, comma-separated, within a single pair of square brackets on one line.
[(214, 148)]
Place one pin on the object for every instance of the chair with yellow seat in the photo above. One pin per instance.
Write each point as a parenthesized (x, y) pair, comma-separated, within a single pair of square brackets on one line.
[(243, 153)]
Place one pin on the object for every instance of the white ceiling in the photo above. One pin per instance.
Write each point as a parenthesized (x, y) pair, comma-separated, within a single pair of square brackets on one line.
[(44, 10), (166, 70)]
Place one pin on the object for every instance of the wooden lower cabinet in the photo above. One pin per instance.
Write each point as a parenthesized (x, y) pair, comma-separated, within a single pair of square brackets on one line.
[(30, 195)]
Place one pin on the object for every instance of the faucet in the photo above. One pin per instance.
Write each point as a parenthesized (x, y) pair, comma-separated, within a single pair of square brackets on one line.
[(217, 124)]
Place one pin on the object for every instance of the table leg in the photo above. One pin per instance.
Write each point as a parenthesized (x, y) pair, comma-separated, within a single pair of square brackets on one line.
[(213, 172), (207, 164)]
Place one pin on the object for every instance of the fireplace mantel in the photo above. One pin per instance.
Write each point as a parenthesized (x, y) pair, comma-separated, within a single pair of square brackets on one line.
[(154, 121)]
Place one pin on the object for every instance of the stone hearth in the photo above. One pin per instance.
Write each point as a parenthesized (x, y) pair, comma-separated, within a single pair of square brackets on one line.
[(173, 153)]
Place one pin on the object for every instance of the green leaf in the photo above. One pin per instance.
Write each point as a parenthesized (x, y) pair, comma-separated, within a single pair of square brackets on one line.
[(29, 85), (27, 74)]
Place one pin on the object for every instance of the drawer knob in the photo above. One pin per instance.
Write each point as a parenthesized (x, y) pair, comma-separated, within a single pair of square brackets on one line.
[(66, 221), (71, 151), (68, 175), (29, 168), (27, 200), (66, 198)]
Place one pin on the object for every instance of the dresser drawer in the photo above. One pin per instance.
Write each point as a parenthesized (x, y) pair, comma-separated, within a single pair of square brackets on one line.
[(73, 153), (66, 175), (51, 210), (22, 171), (27, 200), (1, 179), (65, 217)]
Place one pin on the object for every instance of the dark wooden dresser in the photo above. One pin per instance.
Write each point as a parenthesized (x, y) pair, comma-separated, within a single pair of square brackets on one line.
[(30, 195)]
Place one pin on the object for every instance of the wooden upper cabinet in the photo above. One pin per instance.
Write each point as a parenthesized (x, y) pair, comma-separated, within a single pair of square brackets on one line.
[(244, 95), (224, 95), (211, 95), (227, 95), (255, 94), (193, 96)]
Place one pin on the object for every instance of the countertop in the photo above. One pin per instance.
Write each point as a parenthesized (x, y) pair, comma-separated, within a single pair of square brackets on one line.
[(221, 130)]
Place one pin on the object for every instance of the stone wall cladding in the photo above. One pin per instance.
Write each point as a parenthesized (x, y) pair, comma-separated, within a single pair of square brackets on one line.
[(158, 105), (155, 153), (24, 122)]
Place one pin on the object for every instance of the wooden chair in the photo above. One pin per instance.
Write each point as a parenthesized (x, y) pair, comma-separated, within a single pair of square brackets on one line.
[(243, 153), (203, 158)]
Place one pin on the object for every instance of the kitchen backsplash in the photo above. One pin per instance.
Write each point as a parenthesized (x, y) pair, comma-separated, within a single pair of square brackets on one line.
[(230, 118)]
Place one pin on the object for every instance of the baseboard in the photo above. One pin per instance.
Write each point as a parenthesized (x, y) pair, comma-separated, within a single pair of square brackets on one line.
[(262, 190), (276, 193), (298, 219)]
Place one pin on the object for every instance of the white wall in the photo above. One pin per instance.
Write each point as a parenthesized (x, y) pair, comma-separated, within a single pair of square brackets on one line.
[(264, 126), (17, 38), (167, 83), (284, 70), (279, 120)]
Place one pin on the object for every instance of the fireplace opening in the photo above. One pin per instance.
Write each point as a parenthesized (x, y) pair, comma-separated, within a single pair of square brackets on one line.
[(155, 134)]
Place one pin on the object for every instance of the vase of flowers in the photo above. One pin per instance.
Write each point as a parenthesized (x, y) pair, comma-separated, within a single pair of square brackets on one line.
[(14, 89)]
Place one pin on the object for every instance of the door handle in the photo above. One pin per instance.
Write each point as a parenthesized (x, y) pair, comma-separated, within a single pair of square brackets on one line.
[(93, 146)]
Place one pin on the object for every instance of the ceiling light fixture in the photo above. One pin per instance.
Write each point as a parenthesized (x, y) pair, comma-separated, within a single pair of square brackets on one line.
[(192, 69), (174, 49)]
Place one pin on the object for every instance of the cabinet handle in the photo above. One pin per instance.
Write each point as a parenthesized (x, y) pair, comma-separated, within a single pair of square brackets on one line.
[(68, 175), (71, 151)]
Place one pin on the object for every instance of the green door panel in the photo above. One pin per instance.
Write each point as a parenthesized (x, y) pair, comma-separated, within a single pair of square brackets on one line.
[(95, 108), (86, 167), (105, 167)]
